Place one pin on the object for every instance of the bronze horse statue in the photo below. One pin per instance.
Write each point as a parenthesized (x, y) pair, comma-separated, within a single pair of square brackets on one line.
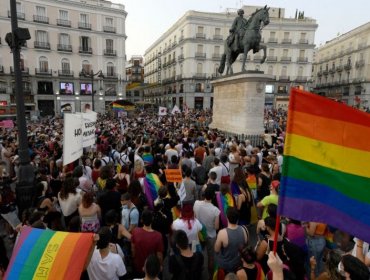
[(250, 41)]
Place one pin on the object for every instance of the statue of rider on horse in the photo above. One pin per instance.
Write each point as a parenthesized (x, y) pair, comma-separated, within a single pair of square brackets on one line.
[(245, 35)]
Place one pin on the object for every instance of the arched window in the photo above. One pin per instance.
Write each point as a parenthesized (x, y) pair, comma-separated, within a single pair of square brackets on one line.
[(110, 69), (65, 66), (43, 64), (86, 66), (270, 70)]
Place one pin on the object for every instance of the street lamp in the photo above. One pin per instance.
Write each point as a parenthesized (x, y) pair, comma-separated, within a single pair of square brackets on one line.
[(92, 75), (25, 186)]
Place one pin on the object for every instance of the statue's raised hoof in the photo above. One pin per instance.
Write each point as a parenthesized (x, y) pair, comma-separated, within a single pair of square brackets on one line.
[(263, 60)]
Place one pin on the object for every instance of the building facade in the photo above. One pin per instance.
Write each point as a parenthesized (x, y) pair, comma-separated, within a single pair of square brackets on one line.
[(181, 63), (135, 79), (70, 40), (342, 68)]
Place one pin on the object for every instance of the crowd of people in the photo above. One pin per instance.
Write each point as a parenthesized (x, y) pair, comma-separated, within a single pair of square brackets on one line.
[(218, 222)]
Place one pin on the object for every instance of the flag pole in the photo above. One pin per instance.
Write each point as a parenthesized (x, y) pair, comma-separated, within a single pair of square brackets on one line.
[(276, 236)]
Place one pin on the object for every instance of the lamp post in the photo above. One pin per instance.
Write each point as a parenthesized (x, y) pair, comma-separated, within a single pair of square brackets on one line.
[(92, 75), (25, 185)]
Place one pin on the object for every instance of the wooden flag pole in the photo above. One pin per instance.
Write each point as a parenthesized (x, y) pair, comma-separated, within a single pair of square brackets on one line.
[(276, 236)]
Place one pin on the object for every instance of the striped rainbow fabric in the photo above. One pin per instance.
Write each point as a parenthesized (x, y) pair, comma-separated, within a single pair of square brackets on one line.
[(224, 202), (47, 254), (326, 169), (252, 181), (152, 183), (118, 107)]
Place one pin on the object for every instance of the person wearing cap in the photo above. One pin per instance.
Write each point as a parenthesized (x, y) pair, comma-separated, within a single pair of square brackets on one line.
[(273, 198)]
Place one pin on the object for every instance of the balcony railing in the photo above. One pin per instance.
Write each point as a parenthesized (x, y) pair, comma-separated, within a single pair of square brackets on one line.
[(200, 76), (84, 25), (42, 45), (111, 75), (42, 71), (1, 69), (200, 35), (325, 72), (271, 58), (179, 77), (272, 40), (181, 38), (302, 60), (110, 52), (200, 55), (180, 57), (347, 67), (218, 37), (24, 70), (286, 41), (339, 68), (303, 41), (64, 48), (216, 56), (85, 50), (64, 22), (360, 63), (257, 58), (285, 59), (2, 90), (65, 73), (301, 79), (109, 29), (19, 15), (40, 19), (284, 78), (319, 74)]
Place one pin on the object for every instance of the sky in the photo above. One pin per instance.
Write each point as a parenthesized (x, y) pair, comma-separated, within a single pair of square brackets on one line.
[(147, 20)]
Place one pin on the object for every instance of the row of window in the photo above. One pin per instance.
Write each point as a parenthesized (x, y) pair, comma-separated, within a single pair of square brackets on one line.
[(63, 19)]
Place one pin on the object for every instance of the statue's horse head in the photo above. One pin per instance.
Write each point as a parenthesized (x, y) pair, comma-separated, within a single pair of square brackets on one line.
[(258, 17)]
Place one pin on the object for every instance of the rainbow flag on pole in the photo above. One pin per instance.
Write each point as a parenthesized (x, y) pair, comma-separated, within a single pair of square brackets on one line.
[(326, 170), (152, 183), (224, 202), (47, 254), (118, 107)]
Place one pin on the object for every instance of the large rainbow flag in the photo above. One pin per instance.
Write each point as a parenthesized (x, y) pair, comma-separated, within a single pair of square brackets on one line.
[(326, 169), (118, 107), (47, 254)]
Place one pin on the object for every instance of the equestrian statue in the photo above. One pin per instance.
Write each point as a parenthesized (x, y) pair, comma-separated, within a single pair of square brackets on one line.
[(245, 35)]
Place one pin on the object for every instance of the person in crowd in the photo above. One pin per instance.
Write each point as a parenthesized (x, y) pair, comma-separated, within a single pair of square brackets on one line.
[(191, 225), (353, 268), (315, 240), (152, 268), (90, 213), (228, 242), (123, 179), (69, 199), (144, 242), (190, 187), (208, 215), (234, 159), (273, 198), (243, 195), (331, 267), (129, 213), (199, 175), (103, 263), (95, 173), (109, 199), (250, 268), (217, 168), (187, 264)]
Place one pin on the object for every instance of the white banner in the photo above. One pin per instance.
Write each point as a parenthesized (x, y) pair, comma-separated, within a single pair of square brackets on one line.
[(88, 129), (175, 110), (162, 111), (72, 144)]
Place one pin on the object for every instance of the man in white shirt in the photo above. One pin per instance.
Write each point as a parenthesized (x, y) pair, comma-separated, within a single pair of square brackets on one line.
[(208, 215), (217, 168), (103, 263)]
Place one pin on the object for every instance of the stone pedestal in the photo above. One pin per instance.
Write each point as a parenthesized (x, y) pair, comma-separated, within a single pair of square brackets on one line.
[(239, 101)]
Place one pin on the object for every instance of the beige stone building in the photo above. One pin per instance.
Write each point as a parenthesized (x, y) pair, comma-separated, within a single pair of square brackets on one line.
[(342, 67), (66, 37), (181, 63)]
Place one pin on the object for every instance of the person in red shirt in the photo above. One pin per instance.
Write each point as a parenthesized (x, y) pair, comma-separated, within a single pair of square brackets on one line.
[(144, 242), (200, 151)]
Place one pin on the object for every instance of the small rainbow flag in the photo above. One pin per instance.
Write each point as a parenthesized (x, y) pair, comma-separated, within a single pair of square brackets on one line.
[(224, 202), (252, 181), (151, 186), (235, 190), (175, 212), (148, 158), (325, 176), (118, 107), (203, 234), (47, 254)]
